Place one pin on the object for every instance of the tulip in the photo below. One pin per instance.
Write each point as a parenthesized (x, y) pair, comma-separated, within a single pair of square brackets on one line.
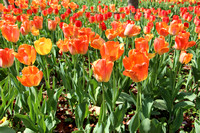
[(136, 65), (175, 27), (160, 46), (43, 46), (10, 32), (102, 69), (6, 57), (25, 27), (38, 22), (185, 57), (52, 24), (26, 54), (132, 30), (162, 28), (31, 76), (62, 45), (181, 41), (111, 34), (112, 50), (141, 44), (78, 45)]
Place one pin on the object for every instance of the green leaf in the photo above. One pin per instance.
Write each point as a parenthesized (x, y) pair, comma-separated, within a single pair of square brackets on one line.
[(80, 131), (160, 104), (196, 73), (146, 107), (186, 95), (81, 113), (178, 120), (197, 126), (27, 130), (151, 126), (134, 123), (184, 104), (6, 130), (27, 122)]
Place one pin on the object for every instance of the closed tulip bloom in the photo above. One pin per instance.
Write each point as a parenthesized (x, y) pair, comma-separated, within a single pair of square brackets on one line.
[(6, 57), (160, 46), (136, 65), (132, 30), (102, 70), (175, 27), (10, 32), (52, 24), (78, 45), (26, 54), (185, 57), (43, 46), (31, 76), (112, 50), (181, 41), (141, 44), (162, 28)]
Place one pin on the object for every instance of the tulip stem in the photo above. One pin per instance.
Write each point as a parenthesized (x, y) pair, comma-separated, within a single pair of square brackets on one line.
[(83, 72), (139, 98), (103, 103)]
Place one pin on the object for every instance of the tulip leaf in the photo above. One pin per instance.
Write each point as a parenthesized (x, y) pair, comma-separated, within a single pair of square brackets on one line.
[(6, 130), (160, 104), (27, 122), (81, 113), (178, 120), (197, 126), (186, 95), (134, 123), (184, 104), (151, 126)]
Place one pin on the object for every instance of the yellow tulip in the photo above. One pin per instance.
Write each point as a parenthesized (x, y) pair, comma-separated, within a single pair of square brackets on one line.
[(43, 46)]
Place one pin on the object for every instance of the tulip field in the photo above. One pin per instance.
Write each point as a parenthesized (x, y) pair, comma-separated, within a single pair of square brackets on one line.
[(99, 66)]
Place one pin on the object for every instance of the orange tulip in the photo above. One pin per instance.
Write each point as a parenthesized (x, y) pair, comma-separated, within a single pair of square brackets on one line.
[(6, 57), (63, 45), (141, 44), (148, 37), (10, 32), (31, 76), (34, 31), (43, 46), (97, 42), (70, 30), (26, 54), (25, 27), (162, 28), (132, 30), (78, 45), (160, 46), (175, 27), (136, 65), (102, 69), (52, 24), (111, 34), (112, 7), (185, 57), (38, 22), (181, 41), (112, 50)]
